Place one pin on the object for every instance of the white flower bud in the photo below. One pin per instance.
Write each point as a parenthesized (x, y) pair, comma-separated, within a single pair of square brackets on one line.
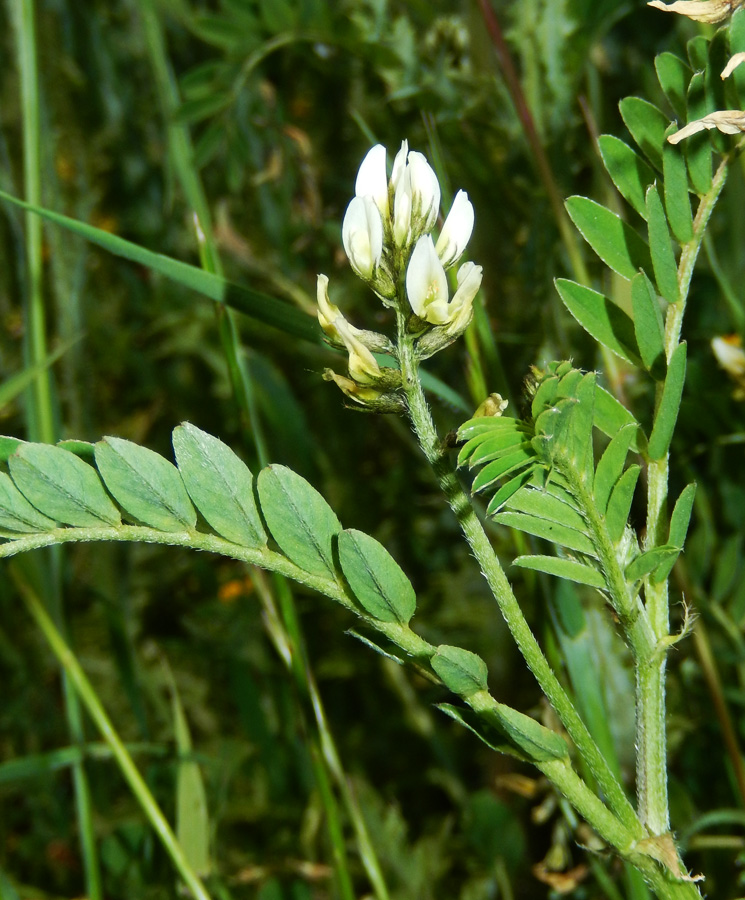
[(427, 284), (363, 367), (372, 180), (456, 232), (362, 236), (425, 192), (399, 164)]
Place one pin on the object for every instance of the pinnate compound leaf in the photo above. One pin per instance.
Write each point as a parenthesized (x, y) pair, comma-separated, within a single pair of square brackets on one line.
[(376, 579), (648, 325), (661, 248), (647, 562), (619, 505), (628, 171), (62, 486), (599, 316), (462, 672), (647, 125), (145, 485), (563, 568), (610, 467), (299, 519), (667, 412), (498, 468), (16, 513), (615, 242), (539, 502), (677, 196), (220, 484)]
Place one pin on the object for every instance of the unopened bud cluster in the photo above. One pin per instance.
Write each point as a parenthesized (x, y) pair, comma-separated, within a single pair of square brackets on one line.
[(388, 236)]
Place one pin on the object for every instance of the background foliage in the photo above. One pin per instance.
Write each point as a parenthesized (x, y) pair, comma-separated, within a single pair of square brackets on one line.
[(281, 99)]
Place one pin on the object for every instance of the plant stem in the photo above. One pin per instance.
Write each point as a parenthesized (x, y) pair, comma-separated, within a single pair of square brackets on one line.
[(651, 740), (137, 785), (500, 586)]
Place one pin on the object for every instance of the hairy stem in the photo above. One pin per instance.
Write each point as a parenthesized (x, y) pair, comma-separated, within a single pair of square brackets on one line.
[(651, 741), (500, 587)]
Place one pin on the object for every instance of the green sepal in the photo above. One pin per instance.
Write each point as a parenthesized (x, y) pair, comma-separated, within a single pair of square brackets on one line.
[(628, 171), (145, 485), (220, 484), (62, 487), (647, 125), (661, 248), (563, 568), (601, 318), (669, 407), (17, 514), (619, 505), (615, 242), (610, 467), (376, 579), (648, 561), (299, 519), (462, 672), (649, 327)]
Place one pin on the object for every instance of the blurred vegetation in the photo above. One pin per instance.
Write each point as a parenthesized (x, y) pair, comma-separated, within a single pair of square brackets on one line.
[(280, 100)]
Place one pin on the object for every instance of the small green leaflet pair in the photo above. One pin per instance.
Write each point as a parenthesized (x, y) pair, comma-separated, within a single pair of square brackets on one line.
[(546, 483), (116, 488)]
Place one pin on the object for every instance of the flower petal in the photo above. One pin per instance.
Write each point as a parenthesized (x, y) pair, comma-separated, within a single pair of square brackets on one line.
[(728, 121), (372, 180), (425, 192), (710, 11), (426, 283), (457, 230), (362, 235)]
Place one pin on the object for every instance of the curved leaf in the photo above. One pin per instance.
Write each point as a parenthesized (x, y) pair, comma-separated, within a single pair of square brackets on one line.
[(462, 672), (629, 172)]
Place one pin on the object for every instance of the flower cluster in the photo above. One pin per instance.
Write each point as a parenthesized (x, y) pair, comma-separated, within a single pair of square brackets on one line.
[(387, 235)]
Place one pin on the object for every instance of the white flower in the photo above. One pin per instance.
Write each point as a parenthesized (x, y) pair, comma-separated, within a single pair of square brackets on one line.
[(427, 284), (362, 235), (329, 314), (425, 191), (372, 180), (461, 307), (457, 230), (728, 121), (737, 60), (700, 10), (363, 367)]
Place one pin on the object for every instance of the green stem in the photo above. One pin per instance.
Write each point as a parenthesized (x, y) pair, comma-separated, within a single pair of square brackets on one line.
[(500, 587), (137, 785), (651, 740)]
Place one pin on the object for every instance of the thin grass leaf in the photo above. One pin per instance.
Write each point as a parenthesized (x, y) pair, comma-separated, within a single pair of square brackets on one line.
[(258, 306), (601, 318), (661, 248), (629, 172), (648, 325), (619, 505), (669, 407), (615, 242), (562, 568)]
